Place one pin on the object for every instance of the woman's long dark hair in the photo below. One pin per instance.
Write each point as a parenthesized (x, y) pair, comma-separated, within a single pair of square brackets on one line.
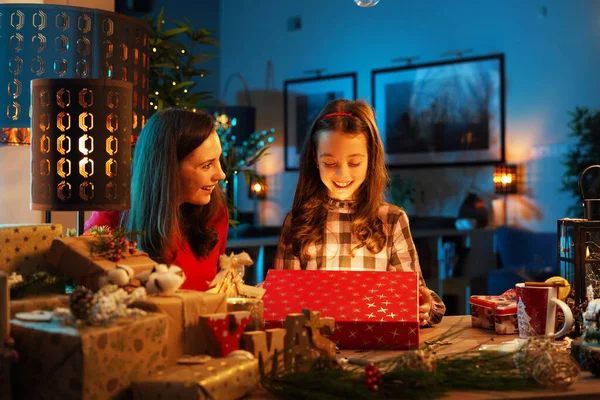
[(309, 212), (166, 139)]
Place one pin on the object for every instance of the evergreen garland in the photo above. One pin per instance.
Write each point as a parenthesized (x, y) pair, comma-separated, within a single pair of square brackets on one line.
[(38, 283), (415, 374), (470, 371)]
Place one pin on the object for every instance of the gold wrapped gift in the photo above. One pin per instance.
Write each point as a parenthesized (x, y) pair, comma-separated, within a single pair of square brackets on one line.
[(4, 333), (64, 362), (4, 309), (218, 378), (73, 257), (23, 248), (183, 308), (44, 302)]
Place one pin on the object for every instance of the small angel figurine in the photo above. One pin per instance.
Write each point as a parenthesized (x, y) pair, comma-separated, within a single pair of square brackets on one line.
[(238, 262), (230, 281)]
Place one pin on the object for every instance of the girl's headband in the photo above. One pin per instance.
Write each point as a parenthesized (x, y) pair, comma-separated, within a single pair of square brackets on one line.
[(334, 114)]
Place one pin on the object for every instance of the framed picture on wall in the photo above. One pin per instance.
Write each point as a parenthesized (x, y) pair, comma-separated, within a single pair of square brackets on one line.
[(443, 113), (303, 100)]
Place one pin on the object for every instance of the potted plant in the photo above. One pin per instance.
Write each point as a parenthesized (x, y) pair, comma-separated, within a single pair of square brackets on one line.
[(176, 61), (585, 127), (174, 65)]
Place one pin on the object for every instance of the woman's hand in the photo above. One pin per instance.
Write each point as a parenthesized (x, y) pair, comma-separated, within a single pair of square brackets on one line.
[(424, 305)]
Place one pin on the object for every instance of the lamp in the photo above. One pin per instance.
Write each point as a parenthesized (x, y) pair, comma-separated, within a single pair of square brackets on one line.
[(81, 145), (58, 41), (505, 182), (257, 189), (579, 244), (505, 179)]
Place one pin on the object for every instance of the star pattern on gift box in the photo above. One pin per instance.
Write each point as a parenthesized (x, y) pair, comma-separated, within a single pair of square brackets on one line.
[(371, 309)]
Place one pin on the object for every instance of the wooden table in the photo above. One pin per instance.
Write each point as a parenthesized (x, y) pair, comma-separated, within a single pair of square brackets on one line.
[(588, 386)]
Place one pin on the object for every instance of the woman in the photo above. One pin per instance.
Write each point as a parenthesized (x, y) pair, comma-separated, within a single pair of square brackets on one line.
[(176, 202), (339, 217)]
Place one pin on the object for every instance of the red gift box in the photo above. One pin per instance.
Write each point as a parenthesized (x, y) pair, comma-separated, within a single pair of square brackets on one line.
[(498, 313), (372, 310)]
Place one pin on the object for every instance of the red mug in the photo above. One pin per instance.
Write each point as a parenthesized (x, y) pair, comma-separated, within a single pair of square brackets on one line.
[(536, 311)]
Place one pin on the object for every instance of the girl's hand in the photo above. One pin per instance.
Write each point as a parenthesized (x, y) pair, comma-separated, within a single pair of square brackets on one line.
[(424, 305)]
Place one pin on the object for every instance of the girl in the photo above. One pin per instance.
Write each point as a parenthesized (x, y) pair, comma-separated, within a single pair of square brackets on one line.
[(175, 197), (339, 217)]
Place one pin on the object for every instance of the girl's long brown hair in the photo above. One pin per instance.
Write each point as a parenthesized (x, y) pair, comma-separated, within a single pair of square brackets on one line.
[(167, 138), (309, 212)]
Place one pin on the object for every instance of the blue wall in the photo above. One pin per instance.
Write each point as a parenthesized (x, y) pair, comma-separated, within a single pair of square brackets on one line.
[(552, 51)]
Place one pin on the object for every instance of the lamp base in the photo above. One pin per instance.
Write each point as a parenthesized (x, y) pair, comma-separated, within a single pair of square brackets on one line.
[(80, 222)]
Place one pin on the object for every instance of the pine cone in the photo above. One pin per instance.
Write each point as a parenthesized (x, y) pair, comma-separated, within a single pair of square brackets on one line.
[(81, 301)]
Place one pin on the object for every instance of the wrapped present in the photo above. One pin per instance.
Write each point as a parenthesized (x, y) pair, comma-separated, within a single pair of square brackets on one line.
[(73, 256), (184, 308), (497, 313), (371, 309), (223, 332), (44, 303), (5, 374), (23, 248), (4, 334), (217, 378), (90, 362), (4, 308)]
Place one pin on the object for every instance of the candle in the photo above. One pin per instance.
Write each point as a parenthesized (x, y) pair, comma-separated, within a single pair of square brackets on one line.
[(254, 306)]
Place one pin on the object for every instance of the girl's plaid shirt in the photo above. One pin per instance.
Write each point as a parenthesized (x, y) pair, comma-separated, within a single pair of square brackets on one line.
[(332, 250)]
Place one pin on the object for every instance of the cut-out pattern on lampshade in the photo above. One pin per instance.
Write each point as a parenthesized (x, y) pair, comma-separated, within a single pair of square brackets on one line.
[(505, 179), (56, 41), (81, 147)]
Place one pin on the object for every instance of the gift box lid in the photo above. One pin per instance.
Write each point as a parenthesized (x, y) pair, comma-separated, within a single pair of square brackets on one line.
[(73, 257), (347, 296), (504, 304)]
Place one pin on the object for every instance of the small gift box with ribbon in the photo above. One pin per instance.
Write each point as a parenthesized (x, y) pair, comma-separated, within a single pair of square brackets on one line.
[(76, 258), (498, 313)]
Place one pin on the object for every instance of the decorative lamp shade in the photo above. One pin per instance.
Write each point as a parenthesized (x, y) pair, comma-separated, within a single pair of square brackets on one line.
[(81, 147), (505, 179), (57, 41)]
